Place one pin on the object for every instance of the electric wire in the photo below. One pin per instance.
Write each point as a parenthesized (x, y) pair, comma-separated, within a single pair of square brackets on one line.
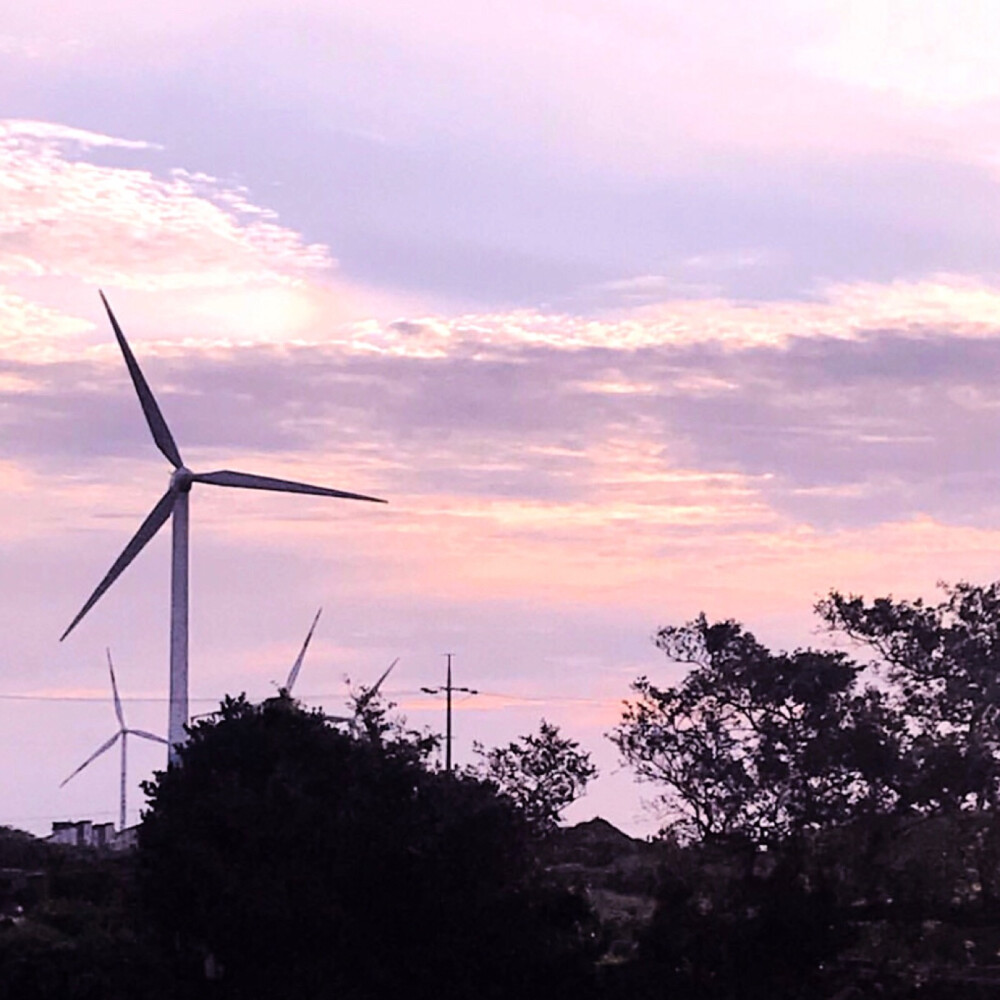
[(160, 699)]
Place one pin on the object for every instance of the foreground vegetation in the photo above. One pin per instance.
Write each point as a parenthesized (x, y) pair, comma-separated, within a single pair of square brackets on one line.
[(834, 833)]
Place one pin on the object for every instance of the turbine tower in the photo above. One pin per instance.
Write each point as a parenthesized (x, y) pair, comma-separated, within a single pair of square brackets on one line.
[(123, 734), (174, 504)]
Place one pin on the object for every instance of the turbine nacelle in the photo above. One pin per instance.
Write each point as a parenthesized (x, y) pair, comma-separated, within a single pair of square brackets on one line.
[(181, 480)]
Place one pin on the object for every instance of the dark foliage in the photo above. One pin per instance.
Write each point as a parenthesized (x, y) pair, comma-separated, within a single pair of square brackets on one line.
[(943, 661), (310, 863), (747, 937), (874, 787), (542, 773), (20, 850), (80, 936), (758, 744)]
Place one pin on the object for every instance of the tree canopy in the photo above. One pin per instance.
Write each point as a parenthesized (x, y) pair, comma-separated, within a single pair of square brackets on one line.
[(312, 862), (763, 744), (871, 775), (542, 773), (759, 744), (943, 664)]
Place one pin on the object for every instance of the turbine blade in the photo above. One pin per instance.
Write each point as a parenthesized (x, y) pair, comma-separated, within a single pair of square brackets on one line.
[(297, 665), (114, 690), (107, 745), (157, 425), (154, 521), (147, 736), (226, 477), (373, 690)]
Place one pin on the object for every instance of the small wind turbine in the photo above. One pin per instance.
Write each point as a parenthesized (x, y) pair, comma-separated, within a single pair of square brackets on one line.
[(297, 665), (359, 705), (286, 691), (362, 702), (123, 734), (175, 503)]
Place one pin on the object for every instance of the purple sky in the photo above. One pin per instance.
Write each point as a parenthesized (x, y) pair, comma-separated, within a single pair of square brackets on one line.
[(630, 309)]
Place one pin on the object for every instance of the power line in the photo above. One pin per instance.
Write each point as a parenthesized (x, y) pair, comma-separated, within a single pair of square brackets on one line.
[(516, 699), (87, 698)]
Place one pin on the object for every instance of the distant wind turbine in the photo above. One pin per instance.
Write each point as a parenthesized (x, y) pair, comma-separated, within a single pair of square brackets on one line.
[(293, 674), (297, 665), (175, 502), (123, 734), (360, 704)]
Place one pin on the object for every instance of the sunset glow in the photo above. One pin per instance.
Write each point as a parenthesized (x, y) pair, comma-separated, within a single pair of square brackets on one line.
[(630, 310)]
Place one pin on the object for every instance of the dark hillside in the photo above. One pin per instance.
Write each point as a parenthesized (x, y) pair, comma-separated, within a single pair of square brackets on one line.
[(617, 873)]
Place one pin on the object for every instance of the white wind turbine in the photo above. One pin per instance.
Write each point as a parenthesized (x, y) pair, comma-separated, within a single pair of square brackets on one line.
[(297, 665), (123, 734), (360, 703), (175, 502)]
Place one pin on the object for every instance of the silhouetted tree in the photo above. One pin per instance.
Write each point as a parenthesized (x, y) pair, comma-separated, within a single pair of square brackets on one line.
[(542, 773), (943, 661), (757, 744), (311, 863)]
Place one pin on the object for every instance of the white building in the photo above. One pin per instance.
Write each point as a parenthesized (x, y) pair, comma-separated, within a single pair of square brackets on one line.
[(84, 833)]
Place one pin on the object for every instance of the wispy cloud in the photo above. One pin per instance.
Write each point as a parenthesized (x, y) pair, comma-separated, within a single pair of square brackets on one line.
[(30, 330), (127, 228)]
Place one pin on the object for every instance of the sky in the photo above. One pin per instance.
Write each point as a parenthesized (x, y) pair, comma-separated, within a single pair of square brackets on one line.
[(630, 309)]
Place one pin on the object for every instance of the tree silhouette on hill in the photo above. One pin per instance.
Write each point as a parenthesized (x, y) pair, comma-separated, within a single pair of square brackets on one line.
[(311, 862)]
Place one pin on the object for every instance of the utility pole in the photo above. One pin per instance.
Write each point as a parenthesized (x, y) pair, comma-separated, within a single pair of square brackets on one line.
[(447, 690)]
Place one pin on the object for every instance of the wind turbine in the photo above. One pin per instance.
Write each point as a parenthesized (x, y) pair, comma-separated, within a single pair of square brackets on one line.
[(123, 734), (297, 665), (286, 691), (360, 703), (174, 503)]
